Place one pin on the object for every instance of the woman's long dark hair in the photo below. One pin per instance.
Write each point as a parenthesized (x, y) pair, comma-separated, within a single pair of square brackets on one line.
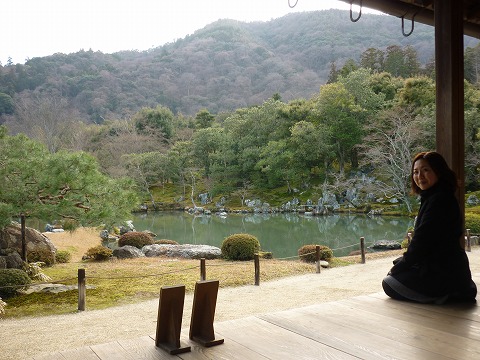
[(438, 164)]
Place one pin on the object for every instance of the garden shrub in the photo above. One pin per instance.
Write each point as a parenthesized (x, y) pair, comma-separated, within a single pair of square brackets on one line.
[(63, 256), (135, 238), (41, 255), (12, 277), (165, 241), (240, 247), (99, 253), (307, 253), (70, 225), (472, 222)]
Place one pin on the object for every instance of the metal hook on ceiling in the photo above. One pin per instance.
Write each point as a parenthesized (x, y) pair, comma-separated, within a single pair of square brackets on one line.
[(292, 6), (403, 25), (359, 14)]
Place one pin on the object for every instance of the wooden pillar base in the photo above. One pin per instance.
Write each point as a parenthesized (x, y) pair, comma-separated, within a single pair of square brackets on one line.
[(203, 313), (169, 320)]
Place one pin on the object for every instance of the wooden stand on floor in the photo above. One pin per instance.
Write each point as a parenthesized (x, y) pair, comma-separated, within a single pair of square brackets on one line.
[(203, 312), (169, 319)]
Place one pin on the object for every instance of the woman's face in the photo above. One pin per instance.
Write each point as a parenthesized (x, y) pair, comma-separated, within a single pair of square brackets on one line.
[(423, 174)]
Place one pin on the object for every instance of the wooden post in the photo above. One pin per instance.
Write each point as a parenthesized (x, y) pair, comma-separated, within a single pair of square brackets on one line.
[(257, 269), (82, 290), (468, 247), (24, 240), (362, 249), (317, 259), (203, 313), (409, 238), (169, 319), (203, 272), (449, 85)]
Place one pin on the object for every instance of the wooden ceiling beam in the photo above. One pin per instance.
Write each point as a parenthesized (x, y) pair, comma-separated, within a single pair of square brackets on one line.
[(420, 13)]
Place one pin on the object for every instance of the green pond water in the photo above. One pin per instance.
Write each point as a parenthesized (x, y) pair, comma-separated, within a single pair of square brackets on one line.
[(282, 234)]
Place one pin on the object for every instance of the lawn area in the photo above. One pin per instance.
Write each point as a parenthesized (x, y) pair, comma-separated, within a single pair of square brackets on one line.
[(117, 282)]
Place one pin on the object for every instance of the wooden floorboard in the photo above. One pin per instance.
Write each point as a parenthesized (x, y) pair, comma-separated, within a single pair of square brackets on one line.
[(364, 327), (381, 330)]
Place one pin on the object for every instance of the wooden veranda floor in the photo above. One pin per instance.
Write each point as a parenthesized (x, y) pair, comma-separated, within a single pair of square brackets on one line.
[(364, 327)]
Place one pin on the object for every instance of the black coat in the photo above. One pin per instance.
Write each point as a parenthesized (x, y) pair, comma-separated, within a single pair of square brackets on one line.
[(435, 263)]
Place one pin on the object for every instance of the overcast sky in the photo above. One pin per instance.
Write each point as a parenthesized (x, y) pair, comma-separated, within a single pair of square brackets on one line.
[(36, 28)]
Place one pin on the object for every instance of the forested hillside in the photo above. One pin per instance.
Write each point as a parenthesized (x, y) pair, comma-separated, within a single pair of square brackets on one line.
[(305, 107), (222, 67)]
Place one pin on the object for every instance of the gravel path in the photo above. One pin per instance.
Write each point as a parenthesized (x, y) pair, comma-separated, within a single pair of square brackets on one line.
[(27, 337)]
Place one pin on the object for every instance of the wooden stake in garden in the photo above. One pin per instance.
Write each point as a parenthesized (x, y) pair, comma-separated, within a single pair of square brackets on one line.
[(469, 242), (317, 259), (362, 249), (203, 270), (256, 261), (82, 290)]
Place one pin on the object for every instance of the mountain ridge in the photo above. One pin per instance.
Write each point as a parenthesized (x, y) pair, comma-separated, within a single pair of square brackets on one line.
[(224, 66)]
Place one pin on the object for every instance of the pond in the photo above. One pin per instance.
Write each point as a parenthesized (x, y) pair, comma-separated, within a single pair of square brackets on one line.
[(281, 234)]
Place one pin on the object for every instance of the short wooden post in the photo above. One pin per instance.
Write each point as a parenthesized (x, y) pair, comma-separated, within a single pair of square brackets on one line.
[(203, 271), (203, 313), (469, 242), (362, 249), (256, 260), (169, 319), (82, 290), (317, 259), (409, 237)]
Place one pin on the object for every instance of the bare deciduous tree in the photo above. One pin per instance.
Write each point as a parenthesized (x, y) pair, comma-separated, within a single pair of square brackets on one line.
[(389, 147), (49, 120)]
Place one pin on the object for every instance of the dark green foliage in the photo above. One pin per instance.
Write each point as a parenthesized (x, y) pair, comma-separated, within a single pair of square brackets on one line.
[(472, 222), (6, 104), (307, 253), (99, 253), (70, 225), (41, 255), (63, 256), (12, 277), (135, 238), (240, 247), (165, 241)]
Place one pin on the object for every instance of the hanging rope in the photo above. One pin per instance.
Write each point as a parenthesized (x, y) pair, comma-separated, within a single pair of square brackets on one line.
[(413, 25), (359, 14), (292, 6)]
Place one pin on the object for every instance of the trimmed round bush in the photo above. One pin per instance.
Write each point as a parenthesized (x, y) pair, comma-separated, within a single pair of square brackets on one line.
[(41, 255), (165, 242), (240, 247), (12, 277), (99, 253), (135, 238), (472, 222), (63, 256), (307, 253)]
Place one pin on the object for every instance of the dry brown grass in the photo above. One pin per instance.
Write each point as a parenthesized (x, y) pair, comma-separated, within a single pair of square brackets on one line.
[(76, 242), (118, 282)]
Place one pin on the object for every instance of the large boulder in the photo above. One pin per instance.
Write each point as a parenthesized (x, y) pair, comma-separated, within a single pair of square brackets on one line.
[(11, 246), (386, 245), (187, 251), (127, 252)]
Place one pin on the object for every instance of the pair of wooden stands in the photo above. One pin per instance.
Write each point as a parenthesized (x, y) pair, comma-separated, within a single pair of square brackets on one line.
[(170, 313)]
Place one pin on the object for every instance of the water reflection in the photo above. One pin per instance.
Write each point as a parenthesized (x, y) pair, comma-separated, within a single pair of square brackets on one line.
[(282, 234)]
